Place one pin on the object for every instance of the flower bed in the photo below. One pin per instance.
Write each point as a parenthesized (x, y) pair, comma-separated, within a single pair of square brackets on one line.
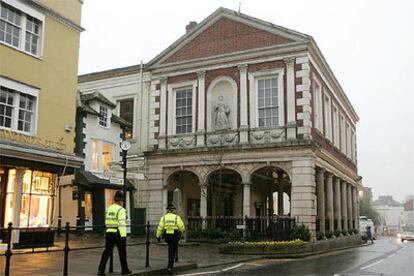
[(264, 247)]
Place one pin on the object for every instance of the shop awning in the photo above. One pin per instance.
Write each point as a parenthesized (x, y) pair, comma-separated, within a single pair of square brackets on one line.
[(20, 154), (91, 181)]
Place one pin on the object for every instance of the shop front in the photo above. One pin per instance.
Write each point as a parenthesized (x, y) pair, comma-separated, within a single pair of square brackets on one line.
[(29, 178)]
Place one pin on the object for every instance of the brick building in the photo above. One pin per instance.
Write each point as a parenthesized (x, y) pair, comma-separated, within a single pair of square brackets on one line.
[(247, 119)]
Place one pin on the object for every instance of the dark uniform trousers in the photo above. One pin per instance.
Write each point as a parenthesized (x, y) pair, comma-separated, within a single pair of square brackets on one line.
[(172, 241), (111, 240)]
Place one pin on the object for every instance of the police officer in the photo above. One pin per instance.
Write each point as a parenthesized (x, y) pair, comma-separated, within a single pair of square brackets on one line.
[(171, 227), (115, 221)]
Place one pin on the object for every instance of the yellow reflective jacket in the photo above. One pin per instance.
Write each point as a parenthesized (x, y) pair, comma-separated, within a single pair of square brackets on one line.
[(168, 223), (115, 220)]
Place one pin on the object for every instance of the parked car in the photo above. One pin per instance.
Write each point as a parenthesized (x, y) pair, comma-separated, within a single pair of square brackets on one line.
[(407, 236)]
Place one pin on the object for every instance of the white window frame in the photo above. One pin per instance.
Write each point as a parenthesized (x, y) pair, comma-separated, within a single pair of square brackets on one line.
[(175, 108), (317, 105), (254, 78), (21, 88), (328, 116), (336, 126), (27, 10), (172, 88), (100, 144), (107, 117)]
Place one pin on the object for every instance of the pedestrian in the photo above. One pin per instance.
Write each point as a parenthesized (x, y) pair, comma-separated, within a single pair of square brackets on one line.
[(369, 234), (171, 228), (115, 222)]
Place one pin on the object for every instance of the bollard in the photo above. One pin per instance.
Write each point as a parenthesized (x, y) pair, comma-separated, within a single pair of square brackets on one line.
[(147, 244), (8, 251), (66, 250)]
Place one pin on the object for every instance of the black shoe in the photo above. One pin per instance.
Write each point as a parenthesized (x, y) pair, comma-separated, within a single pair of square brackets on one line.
[(128, 272), (100, 273)]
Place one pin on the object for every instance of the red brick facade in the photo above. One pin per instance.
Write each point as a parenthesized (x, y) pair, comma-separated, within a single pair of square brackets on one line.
[(225, 36)]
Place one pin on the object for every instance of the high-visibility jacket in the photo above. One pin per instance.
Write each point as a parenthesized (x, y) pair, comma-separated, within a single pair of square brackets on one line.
[(115, 220), (169, 223)]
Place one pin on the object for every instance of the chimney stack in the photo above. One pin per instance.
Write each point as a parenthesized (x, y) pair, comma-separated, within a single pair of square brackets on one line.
[(190, 26)]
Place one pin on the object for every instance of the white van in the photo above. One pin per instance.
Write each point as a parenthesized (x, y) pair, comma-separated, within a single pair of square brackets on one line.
[(363, 223)]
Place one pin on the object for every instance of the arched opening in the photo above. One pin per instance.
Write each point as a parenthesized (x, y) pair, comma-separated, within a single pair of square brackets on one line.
[(183, 190), (224, 193), (271, 191)]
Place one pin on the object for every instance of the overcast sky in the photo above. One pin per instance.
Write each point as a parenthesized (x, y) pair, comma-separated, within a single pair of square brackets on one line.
[(368, 44)]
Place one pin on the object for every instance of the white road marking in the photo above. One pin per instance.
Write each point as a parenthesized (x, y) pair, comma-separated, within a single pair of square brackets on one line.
[(253, 264), (201, 273), (368, 266), (390, 256), (232, 267)]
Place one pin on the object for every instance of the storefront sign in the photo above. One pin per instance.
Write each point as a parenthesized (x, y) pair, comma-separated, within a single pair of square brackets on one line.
[(116, 180), (31, 140)]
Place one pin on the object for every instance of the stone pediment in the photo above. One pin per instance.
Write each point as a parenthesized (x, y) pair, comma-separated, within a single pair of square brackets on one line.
[(225, 32)]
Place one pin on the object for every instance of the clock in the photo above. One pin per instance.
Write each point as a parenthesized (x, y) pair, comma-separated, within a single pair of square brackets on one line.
[(125, 145)]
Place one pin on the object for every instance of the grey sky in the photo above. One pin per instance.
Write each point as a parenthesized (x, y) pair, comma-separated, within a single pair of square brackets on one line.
[(368, 44)]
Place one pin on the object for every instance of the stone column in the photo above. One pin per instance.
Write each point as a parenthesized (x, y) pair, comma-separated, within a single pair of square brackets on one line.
[(344, 205), (337, 193), (246, 200), (320, 189), (330, 197), (303, 193), (280, 200), (201, 112), (164, 199), (243, 104), (355, 207), (203, 200), (350, 216), (163, 117), (291, 104)]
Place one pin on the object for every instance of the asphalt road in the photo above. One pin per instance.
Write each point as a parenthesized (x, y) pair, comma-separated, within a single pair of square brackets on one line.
[(387, 256)]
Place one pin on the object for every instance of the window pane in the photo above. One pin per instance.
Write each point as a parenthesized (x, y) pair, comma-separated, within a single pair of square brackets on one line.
[(106, 156)]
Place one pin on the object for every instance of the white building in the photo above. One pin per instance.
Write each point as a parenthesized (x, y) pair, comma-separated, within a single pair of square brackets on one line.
[(391, 215)]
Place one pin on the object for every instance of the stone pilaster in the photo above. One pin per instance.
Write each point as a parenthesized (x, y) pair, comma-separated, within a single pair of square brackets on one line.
[(320, 189), (243, 104), (163, 111), (355, 207), (291, 105), (349, 198), (330, 198), (201, 112), (337, 193)]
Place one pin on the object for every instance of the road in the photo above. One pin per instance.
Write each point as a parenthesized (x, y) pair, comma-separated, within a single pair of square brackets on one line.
[(387, 256)]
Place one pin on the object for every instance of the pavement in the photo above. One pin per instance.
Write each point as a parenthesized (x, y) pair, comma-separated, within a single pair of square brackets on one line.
[(85, 262)]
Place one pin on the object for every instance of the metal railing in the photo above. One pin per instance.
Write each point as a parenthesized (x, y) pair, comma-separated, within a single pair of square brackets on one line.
[(260, 228), (36, 247)]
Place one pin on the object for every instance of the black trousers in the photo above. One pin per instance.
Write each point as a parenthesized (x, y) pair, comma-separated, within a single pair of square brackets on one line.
[(111, 240), (172, 241)]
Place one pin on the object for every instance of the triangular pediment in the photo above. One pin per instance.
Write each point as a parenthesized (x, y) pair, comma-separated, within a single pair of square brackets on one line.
[(225, 32)]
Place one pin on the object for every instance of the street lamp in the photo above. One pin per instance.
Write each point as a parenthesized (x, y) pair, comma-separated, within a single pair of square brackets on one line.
[(125, 146)]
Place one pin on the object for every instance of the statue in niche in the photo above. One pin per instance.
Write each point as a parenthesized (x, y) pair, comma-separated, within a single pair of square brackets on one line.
[(222, 111)]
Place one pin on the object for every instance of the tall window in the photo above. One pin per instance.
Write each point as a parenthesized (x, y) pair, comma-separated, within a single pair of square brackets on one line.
[(343, 135), (184, 111), (268, 102), (32, 35), (328, 118), (318, 119), (103, 118), (95, 155), (336, 127), (20, 30), (348, 140), (102, 155), (126, 112), (17, 110)]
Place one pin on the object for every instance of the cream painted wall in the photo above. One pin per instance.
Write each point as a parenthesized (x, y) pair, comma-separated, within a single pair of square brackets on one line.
[(71, 9), (55, 73)]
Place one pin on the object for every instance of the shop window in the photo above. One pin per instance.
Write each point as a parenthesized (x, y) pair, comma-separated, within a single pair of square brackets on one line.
[(37, 198), (106, 156), (126, 112)]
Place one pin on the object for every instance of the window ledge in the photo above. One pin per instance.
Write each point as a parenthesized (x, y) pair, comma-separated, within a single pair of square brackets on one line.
[(21, 51)]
